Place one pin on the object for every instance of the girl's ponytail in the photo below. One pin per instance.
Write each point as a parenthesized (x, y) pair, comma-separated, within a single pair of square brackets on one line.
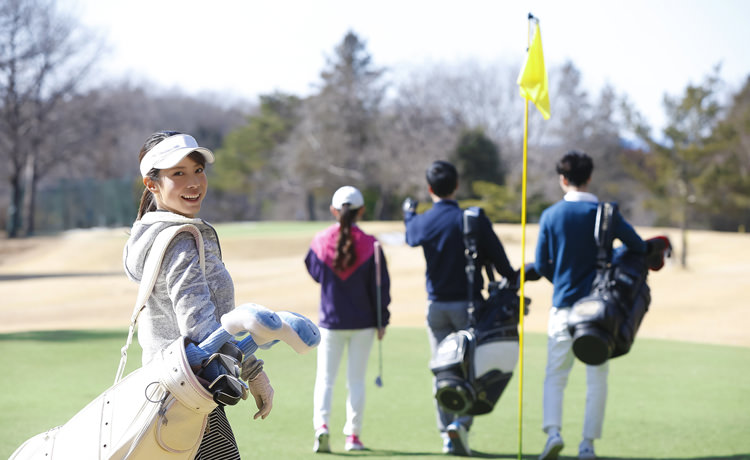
[(345, 254)]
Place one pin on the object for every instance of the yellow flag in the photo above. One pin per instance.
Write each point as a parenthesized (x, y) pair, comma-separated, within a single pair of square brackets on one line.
[(532, 80)]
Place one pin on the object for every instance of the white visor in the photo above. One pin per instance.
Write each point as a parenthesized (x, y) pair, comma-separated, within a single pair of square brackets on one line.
[(171, 151)]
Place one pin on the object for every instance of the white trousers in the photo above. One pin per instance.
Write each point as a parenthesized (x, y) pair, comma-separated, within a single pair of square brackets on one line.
[(330, 352), (560, 359)]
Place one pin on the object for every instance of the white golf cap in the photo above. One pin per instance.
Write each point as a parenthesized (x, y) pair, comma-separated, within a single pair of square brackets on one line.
[(171, 151), (347, 194)]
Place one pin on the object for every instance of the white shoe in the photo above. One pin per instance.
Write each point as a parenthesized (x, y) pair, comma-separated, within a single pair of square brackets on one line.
[(586, 451), (447, 446), (322, 440), (459, 438), (353, 443), (552, 448)]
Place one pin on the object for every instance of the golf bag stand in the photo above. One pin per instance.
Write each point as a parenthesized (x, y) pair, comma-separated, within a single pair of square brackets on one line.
[(604, 323), (472, 367)]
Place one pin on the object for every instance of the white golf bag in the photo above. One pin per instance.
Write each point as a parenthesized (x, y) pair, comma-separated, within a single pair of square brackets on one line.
[(157, 411)]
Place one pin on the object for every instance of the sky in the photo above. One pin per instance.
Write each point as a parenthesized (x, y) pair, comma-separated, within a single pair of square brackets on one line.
[(642, 48)]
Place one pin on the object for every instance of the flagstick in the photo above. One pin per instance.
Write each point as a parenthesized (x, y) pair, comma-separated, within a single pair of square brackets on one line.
[(523, 264), (523, 281)]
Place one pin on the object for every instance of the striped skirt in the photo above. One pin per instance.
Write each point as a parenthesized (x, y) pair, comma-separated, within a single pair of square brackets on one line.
[(218, 441)]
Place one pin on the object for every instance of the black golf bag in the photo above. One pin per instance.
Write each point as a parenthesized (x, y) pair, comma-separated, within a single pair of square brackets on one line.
[(604, 323), (472, 367)]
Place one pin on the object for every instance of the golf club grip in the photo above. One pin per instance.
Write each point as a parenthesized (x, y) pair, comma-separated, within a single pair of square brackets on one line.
[(378, 284), (376, 245)]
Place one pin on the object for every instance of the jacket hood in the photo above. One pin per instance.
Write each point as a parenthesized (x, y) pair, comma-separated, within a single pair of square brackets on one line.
[(142, 236)]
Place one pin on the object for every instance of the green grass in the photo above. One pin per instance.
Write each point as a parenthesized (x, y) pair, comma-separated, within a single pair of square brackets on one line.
[(667, 400)]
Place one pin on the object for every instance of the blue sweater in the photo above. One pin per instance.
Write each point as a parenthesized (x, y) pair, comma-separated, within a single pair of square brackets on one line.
[(566, 249), (439, 231), (348, 299)]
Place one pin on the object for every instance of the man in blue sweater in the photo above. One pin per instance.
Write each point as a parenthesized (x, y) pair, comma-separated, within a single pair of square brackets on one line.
[(566, 255), (440, 233)]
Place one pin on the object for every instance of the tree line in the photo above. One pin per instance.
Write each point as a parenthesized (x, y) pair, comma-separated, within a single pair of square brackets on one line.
[(282, 156)]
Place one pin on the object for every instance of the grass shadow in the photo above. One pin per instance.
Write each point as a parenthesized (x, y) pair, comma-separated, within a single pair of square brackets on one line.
[(30, 276), (65, 335), (713, 457), (387, 453)]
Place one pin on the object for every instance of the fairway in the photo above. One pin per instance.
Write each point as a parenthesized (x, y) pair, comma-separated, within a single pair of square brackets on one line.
[(682, 393), (75, 280), (668, 400)]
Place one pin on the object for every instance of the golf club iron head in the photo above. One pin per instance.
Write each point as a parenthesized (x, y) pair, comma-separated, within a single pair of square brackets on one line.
[(227, 389), (230, 349), (218, 364)]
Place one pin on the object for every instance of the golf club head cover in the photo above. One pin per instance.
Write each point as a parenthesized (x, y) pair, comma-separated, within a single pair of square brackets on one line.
[(659, 248), (218, 339), (296, 330), (256, 319)]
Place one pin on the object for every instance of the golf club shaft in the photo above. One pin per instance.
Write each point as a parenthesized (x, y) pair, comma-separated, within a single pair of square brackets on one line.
[(378, 283)]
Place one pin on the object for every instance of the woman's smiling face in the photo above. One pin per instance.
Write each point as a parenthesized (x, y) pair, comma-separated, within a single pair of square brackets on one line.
[(180, 189)]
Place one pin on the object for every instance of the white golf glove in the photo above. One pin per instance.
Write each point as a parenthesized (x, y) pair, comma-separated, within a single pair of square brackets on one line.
[(260, 388), (258, 384)]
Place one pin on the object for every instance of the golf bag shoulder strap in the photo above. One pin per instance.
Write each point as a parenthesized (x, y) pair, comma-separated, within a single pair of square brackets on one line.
[(471, 236), (471, 230), (604, 233), (150, 273)]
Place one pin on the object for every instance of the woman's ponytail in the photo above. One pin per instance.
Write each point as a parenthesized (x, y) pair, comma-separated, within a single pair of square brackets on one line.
[(345, 254)]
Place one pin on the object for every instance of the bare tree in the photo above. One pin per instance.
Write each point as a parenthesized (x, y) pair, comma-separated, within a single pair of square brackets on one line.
[(336, 134), (44, 56), (430, 109), (414, 132)]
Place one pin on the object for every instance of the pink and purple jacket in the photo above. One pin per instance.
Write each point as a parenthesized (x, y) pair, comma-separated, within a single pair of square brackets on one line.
[(348, 299)]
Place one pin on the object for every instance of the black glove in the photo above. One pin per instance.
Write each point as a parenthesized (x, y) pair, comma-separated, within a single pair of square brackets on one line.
[(530, 273), (410, 205)]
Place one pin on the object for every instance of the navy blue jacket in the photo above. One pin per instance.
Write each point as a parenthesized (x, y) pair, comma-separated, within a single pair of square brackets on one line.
[(440, 233), (566, 248)]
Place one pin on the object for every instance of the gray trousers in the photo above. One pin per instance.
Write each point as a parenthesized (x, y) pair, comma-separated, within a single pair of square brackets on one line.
[(442, 319)]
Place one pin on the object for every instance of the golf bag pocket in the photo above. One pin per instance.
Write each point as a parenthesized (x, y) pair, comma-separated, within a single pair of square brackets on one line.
[(451, 367), (158, 411), (494, 363), (471, 377), (498, 355)]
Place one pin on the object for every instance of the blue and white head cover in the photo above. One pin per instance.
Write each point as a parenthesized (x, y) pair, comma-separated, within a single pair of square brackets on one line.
[(171, 151)]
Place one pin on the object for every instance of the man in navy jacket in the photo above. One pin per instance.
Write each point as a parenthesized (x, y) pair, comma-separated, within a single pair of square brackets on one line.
[(566, 255), (440, 233)]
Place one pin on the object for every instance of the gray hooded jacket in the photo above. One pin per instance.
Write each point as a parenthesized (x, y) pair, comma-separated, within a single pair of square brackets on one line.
[(185, 301)]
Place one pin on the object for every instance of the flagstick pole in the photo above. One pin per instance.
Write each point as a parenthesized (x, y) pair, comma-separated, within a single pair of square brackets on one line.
[(523, 264), (523, 281)]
